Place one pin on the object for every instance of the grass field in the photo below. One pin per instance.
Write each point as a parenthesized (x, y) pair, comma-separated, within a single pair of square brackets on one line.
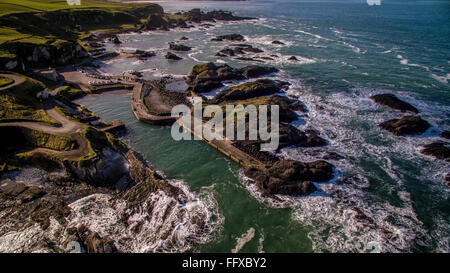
[(20, 6), (25, 21), (20, 103), (5, 81)]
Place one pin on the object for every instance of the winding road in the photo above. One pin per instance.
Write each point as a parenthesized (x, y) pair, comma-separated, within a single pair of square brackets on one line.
[(17, 80), (67, 128)]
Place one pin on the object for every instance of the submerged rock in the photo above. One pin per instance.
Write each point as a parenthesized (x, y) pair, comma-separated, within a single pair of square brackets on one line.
[(438, 149), (392, 101), (276, 42), (407, 125)]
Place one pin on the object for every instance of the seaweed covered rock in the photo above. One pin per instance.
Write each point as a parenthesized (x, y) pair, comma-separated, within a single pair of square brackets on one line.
[(438, 149), (393, 102), (407, 125)]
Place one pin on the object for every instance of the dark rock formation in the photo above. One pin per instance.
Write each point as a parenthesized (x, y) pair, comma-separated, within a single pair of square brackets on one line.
[(177, 47), (116, 40), (250, 90), (248, 48), (290, 177), (269, 185), (438, 149), (197, 16), (291, 136), (290, 170), (293, 58), (230, 52), (91, 241), (171, 56), (231, 37), (407, 125), (392, 101), (206, 77), (446, 134), (254, 71), (23, 193), (248, 59), (184, 38), (276, 42), (143, 55)]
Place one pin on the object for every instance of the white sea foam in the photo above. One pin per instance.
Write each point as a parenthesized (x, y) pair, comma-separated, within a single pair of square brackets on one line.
[(442, 79), (405, 61), (245, 238), (165, 225), (345, 216)]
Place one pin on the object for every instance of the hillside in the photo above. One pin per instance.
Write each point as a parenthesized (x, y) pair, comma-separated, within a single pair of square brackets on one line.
[(56, 27)]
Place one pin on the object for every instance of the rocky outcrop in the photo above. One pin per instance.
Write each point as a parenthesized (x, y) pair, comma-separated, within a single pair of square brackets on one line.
[(250, 90), (446, 134), (290, 177), (206, 77), (91, 242), (54, 54), (293, 58), (407, 125), (393, 102), (239, 49), (171, 56), (21, 192), (178, 47), (438, 149), (116, 40), (197, 16), (230, 37), (291, 136), (255, 71)]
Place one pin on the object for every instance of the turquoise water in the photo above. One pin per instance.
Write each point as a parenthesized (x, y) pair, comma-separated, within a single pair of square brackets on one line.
[(347, 52)]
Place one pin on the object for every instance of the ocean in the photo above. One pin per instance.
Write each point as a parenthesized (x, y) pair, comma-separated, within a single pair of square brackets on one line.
[(347, 51)]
